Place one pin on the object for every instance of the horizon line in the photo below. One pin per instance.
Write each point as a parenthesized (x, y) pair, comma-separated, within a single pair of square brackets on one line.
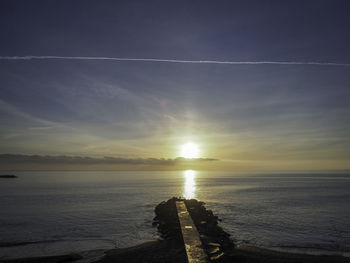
[(183, 61)]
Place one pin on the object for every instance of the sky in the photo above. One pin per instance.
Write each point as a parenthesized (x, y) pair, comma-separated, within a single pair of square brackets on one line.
[(245, 116)]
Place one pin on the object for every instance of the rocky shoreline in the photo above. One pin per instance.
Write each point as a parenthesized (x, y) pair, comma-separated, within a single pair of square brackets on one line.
[(170, 248)]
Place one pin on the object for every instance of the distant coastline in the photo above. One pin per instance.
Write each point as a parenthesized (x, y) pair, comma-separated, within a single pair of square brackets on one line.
[(8, 176)]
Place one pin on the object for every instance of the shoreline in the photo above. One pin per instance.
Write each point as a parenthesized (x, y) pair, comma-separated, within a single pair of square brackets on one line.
[(167, 249), (301, 251), (170, 248), (242, 245)]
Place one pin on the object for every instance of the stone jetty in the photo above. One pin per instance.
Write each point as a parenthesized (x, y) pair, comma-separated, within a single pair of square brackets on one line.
[(214, 241)]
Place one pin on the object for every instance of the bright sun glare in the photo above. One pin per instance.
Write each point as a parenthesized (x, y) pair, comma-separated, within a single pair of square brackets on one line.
[(189, 150)]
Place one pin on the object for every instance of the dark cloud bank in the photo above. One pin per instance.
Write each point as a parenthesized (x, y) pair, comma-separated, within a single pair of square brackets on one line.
[(64, 160)]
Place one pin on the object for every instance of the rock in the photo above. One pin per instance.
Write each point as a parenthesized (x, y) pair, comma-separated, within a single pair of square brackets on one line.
[(214, 238), (213, 244), (8, 176), (213, 250), (216, 257)]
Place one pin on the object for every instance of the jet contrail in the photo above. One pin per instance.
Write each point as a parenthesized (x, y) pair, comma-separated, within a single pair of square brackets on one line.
[(315, 63)]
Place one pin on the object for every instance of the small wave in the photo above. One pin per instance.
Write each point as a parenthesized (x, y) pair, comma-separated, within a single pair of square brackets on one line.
[(24, 243), (336, 248)]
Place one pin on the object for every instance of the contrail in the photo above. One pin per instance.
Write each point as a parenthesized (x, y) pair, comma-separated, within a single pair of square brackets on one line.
[(158, 60)]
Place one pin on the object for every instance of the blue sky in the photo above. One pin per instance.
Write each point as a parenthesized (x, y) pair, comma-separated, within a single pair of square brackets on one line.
[(258, 115)]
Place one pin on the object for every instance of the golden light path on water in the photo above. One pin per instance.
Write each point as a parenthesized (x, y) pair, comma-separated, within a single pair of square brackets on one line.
[(190, 184)]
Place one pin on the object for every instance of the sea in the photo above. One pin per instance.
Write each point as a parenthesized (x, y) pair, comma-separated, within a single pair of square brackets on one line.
[(46, 213)]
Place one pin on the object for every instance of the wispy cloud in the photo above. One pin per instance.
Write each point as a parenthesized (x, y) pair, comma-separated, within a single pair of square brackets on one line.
[(160, 60), (4, 106)]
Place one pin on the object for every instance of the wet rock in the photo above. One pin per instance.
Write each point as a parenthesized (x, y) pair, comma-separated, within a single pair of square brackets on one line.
[(213, 250), (166, 219), (213, 244), (216, 257)]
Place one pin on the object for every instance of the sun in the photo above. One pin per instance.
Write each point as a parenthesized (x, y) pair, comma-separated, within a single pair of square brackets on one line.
[(189, 150)]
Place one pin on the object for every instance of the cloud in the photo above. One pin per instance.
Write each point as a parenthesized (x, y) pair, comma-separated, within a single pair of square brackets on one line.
[(8, 108), (160, 60), (79, 160)]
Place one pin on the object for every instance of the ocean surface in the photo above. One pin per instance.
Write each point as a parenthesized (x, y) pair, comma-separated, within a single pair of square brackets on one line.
[(51, 213)]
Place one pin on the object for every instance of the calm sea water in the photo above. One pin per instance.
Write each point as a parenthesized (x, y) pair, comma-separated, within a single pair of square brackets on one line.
[(62, 212)]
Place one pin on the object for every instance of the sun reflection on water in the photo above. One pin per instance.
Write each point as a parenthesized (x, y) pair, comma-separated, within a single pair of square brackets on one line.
[(190, 184)]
